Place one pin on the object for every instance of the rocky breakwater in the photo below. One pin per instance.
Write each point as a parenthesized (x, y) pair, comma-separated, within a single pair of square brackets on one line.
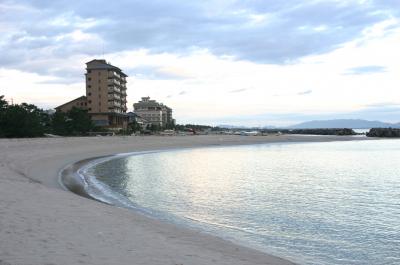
[(321, 131), (383, 132), (340, 131)]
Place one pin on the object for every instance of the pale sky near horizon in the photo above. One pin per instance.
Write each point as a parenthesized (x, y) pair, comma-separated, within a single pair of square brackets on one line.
[(255, 62)]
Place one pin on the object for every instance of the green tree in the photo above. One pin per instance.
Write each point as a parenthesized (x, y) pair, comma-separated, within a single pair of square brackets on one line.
[(24, 120), (74, 122), (170, 126), (153, 127), (3, 104), (81, 121), (60, 124), (134, 127), (3, 107)]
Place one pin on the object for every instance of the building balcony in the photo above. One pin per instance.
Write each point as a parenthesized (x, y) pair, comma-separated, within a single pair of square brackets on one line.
[(113, 82), (114, 104), (114, 74), (114, 89), (114, 97), (115, 110)]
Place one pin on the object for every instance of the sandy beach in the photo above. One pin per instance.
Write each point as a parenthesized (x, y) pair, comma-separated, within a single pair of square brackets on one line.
[(40, 223)]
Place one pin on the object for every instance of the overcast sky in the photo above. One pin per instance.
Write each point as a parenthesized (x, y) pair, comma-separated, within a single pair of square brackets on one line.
[(256, 62)]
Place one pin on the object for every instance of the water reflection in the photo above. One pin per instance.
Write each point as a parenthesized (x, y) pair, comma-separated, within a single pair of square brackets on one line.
[(120, 173), (322, 203)]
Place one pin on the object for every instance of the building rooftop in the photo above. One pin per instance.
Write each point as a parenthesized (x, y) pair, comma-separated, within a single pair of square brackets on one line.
[(101, 64), (80, 98)]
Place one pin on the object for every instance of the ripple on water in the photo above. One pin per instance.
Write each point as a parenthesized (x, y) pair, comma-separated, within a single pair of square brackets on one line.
[(317, 203)]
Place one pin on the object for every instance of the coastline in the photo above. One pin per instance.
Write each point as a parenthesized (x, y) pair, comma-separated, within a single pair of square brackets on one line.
[(43, 224)]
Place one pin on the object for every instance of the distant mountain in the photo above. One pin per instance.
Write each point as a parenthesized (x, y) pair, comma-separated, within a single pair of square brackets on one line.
[(344, 123), (269, 127), (227, 126)]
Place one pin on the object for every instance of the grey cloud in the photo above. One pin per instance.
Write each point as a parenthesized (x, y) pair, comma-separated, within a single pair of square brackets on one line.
[(362, 70), (307, 92), (290, 29), (181, 93), (154, 73), (238, 90), (380, 113), (384, 105)]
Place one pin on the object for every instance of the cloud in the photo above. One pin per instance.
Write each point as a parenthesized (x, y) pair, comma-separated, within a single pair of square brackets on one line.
[(364, 70), (151, 72), (239, 90), (385, 114), (383, 105), (182, 93), (279, 50), (306, 92), (276, 32)]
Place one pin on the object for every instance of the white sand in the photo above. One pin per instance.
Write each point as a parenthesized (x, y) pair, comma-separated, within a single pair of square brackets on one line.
[(42, 224)]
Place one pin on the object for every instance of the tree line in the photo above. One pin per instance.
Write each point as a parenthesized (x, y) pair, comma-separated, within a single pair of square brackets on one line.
[(27, 120)]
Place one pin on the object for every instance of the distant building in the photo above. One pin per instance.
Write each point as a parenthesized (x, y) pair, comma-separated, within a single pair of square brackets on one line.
[(156, 113), (105, 98), (133, 117), (166, 115)]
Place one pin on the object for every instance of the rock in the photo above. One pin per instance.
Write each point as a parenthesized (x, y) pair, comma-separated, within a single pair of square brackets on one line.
[(383, 132)]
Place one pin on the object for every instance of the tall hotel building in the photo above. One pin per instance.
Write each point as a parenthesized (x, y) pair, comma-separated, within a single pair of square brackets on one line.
[(105, 98), (106, 94)]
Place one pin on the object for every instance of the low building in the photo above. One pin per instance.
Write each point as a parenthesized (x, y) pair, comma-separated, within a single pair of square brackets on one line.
[(156, 113), (80, 102), (133, 117)]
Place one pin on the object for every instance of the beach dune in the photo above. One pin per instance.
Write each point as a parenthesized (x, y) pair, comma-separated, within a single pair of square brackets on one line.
[(40, 223)]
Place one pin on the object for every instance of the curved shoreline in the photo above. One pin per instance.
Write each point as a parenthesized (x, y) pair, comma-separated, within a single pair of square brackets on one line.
[(54, 226), (75, 179)]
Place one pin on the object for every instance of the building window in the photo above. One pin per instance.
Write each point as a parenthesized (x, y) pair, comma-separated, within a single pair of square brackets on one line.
[(90, 101), (89, 71), (89, 86), (89, 94), (89, 79), (90, 108)]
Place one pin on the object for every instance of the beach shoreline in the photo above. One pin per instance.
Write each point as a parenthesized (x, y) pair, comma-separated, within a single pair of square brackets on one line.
[(43, 224)]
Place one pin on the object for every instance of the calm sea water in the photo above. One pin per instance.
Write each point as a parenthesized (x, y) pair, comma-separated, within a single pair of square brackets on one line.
[(313, 203)]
